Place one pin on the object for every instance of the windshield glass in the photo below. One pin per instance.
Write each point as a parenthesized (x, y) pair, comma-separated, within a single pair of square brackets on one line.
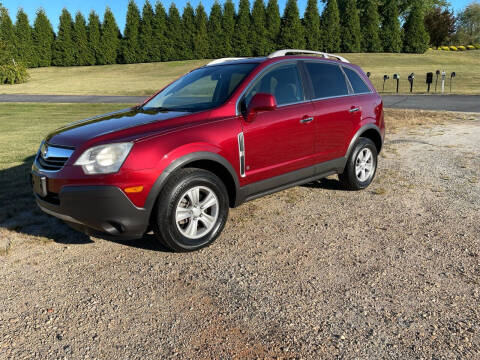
[(201, 89)]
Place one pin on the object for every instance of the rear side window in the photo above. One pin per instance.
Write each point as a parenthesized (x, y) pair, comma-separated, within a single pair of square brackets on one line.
[(327, 79), (356, 81)]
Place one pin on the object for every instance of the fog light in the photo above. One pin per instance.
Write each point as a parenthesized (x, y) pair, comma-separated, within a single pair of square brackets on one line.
[(133, 189)]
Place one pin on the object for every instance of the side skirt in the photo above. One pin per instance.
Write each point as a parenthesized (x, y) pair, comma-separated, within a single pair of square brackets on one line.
[(285, 181)]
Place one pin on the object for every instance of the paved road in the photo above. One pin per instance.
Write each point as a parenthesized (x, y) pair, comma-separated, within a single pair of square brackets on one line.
[(463, 103)]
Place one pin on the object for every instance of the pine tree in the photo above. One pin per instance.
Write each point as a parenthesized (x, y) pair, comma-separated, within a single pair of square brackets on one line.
[(242, 36), (131, 52), (228, 26), (110, 40), (351, 33), (7, 35), (160, 41), (273, 25), (259, 29), (370, 24), (83, 54), (188, 31), (24, 37), (291, 31), (201, 49), (147, 45), (63, 47), (174, 34), (311, 23), (391, 34), (416, 37), (43, 37), (331, 27), (215, 31), (93, 33)]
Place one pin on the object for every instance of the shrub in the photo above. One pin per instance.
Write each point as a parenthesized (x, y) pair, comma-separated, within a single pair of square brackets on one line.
[(462, 48), (477, 46), (470, 47), (13, 73), (453, 48), (445, 48)]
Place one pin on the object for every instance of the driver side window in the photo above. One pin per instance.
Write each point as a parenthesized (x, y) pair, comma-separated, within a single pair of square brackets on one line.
[(283, 82)]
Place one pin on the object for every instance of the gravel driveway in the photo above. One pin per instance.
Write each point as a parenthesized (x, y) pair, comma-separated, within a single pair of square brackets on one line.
[(312, 272)]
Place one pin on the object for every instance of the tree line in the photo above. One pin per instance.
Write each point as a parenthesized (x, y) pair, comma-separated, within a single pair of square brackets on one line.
[(157, 34)]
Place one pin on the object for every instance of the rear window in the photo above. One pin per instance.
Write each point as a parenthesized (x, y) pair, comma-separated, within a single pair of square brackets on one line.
[(356, 81), (328, 80)]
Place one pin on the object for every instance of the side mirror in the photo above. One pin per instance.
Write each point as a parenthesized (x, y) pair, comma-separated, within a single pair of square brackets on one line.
[(261, 102)]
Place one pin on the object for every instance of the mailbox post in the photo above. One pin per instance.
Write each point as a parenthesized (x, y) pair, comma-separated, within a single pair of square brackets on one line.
[(411, 77), (436, 81), (397, 77), (385, 78), (452, 75), (444, 74), (429, 80)]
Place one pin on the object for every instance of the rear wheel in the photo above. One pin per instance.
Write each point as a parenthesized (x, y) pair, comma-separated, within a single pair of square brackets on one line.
[(361, 165), (191, 210)]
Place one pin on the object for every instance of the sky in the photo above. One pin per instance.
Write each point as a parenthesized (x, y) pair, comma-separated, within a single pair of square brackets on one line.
[(119, 7)]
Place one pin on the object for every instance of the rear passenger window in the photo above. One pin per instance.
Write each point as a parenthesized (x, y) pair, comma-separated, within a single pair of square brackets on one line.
[(328, 80), (358, 84)]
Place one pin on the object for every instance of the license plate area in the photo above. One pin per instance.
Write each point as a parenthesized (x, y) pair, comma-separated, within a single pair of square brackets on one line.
[(39, 184)]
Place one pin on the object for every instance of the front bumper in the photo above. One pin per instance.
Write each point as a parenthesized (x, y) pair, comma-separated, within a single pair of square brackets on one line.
[(92, 209)]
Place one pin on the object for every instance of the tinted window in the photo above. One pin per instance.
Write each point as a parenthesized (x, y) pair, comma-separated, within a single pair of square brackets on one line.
[(328, 79), (283, 82), (358, 84), (202, 89)]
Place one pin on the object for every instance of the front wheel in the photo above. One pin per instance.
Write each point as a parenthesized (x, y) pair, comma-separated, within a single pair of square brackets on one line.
[(361, 165), (191, 210)]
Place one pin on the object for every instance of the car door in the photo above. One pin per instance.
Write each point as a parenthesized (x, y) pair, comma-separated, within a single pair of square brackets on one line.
[(334, 112), (281, 140)]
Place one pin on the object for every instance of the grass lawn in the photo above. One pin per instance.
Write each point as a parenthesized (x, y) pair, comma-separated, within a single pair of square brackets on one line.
[(144, 79)]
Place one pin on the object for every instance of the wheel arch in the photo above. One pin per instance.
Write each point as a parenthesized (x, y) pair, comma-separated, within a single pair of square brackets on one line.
[(369, 131)]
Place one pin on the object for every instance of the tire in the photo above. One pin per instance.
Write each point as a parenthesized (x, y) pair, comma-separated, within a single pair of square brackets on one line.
[(181, 199), (353, 177)]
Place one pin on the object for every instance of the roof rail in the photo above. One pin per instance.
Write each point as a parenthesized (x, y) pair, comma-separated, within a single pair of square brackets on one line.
[(284, 52), (219, 61)]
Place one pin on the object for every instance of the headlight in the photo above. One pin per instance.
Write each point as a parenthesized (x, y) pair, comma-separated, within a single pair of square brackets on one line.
[(104, 159)]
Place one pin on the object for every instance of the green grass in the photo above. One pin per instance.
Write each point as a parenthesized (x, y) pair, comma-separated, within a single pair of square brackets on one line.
[(144, 79)]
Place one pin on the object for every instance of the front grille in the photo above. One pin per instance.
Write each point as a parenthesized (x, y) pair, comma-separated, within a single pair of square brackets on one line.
[(52, 158)]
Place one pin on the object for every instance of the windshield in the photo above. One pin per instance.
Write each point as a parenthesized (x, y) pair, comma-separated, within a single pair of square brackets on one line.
[(201, 89)]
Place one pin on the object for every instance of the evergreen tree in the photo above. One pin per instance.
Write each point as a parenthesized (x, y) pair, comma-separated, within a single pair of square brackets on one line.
[(331, 27), (43, 37), (83, 54), (291, 32), (351, 34), (416, 37), (311, 24), (24, 37), (370, 23), (228, 26), (188, 31), (273, 25), (131, 51), (174, 34), (242, 36), (259, 29), (63, 46), (201, 49), (93, 33), (440, 25), (391, 34), (215, 31), (110, 40), (147, 45), (7, 35), (160, 41)]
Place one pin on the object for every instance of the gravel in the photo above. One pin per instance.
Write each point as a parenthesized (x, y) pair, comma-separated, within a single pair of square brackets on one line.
[(311, 272)]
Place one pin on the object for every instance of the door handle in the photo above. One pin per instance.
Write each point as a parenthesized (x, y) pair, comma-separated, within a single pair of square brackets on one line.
[(306, 120), (354, 109)]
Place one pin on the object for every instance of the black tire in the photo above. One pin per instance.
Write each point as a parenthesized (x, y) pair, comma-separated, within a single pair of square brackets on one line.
[(164, 218), (349, 178)]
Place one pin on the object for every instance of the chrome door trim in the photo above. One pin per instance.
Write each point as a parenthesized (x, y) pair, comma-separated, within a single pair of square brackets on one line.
[(241, 153)]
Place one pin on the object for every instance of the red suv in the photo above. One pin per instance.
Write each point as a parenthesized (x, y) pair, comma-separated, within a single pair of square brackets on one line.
[(221, 135)]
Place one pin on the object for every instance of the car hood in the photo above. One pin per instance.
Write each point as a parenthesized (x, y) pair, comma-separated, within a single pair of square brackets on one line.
[(79, 132)]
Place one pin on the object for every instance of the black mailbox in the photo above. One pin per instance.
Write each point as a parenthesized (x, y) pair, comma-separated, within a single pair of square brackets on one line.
[(368, 74), (452, 75), (397, 77), (411, 77), (436, 80), (429, 80), (385, 78)]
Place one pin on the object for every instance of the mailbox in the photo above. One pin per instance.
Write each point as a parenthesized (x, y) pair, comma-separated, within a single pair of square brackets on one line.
[(452, 75), (436, 80), (411, 77), (368, 74), (385, 78), (444, 75), (429, 80), (397, 77)]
